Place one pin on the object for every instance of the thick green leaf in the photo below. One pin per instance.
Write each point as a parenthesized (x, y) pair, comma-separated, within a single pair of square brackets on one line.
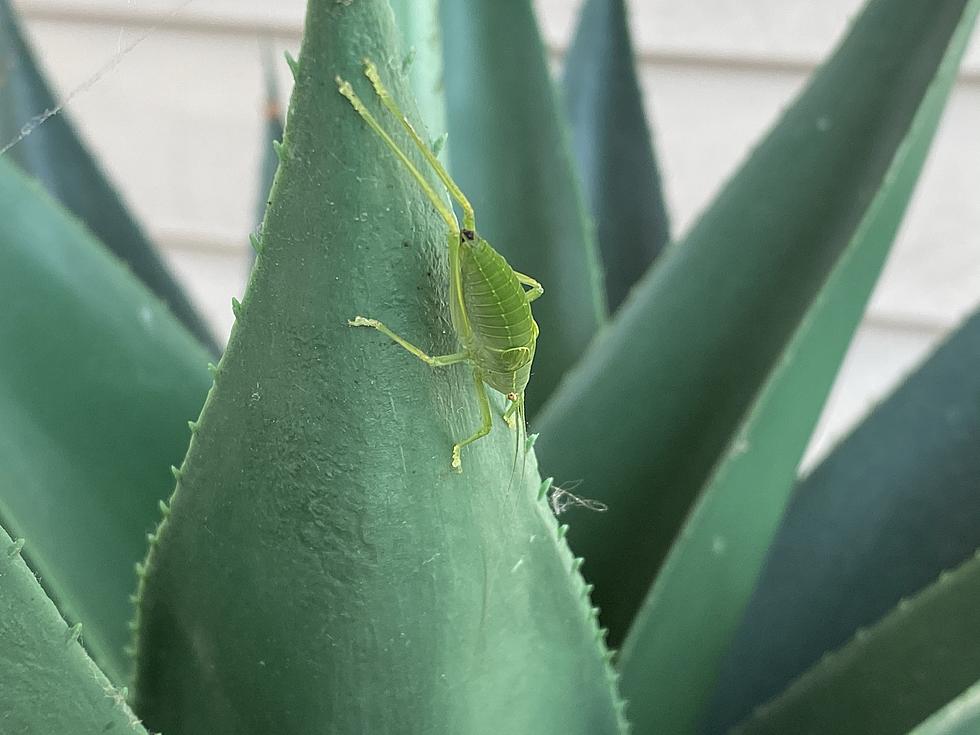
[(418, 25), (889, 509), (612, 146), (704, 330), (511, 156), (892, 676), (674, 651), (272, 137), (47, 683), (54, 154), (959, 717), (322, 569), (97, 382)]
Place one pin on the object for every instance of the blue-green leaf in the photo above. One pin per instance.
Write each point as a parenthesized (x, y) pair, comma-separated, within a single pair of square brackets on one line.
[(322, 569), (97, 383), (55, 155), (272, 137), (892, 506), (418, 26), (674, 651), (892, 676), (510, 154), (687, 355), (611, 143), (48, 685)]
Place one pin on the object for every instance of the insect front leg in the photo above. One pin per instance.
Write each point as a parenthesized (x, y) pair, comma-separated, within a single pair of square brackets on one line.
[(485, 427), (433, 360)]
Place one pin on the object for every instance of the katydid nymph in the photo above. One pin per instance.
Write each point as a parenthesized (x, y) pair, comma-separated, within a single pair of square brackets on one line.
[(488, 304)]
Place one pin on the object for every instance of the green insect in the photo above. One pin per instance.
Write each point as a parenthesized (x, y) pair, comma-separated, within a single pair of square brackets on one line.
[(489, 307)]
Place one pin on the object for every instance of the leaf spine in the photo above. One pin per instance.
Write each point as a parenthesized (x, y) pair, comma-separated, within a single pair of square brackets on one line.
[(73, 633), (292, 63), (280, 150)]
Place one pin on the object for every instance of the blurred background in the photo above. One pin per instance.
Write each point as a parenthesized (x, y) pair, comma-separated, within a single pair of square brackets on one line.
[(179, 125)]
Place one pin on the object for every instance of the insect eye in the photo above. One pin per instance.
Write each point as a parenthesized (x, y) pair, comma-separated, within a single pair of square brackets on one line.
[(468, 234)]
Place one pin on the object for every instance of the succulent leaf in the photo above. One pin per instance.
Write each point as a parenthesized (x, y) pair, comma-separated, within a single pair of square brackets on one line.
[(611, 143), (677, 643), (47, 682), (892, 506), (273, 136), (418, 27), (56, 156), (893, 675), (510, 153), (321, 567), (705, 330), (97, 382)]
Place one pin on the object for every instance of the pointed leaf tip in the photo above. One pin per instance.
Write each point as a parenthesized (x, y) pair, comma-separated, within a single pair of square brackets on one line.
[(906, 54), (323, 504), (510, 154), (612, 146)]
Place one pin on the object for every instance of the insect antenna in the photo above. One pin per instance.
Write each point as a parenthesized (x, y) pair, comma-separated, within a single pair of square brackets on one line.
[(520, 430), (521, 427)]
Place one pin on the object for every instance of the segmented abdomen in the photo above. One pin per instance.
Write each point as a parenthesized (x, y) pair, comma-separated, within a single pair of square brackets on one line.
[(504, 332)]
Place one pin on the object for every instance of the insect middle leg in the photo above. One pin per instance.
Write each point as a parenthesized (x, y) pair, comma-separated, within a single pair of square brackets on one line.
[(486, 416), (433, 360), (536, 288)]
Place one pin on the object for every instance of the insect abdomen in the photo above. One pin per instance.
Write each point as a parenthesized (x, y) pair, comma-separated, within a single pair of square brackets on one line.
[(504, 332)]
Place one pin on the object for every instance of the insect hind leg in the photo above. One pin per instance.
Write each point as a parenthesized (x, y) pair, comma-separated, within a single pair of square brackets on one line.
[(485, 426), (371, 72)]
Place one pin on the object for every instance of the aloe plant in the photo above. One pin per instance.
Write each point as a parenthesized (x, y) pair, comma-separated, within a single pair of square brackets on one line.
[(318, 567)]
